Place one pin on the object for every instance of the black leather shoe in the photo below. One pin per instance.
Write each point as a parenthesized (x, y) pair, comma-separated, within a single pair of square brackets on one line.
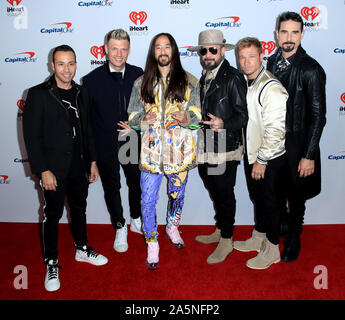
[(292, 248)]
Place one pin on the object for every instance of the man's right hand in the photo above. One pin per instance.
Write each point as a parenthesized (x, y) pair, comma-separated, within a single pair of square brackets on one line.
[(48, 180)]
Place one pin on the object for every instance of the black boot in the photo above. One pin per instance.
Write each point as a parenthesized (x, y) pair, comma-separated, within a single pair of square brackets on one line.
[(292, 248)]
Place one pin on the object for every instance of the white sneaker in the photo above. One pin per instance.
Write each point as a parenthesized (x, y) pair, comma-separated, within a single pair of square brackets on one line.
[(120, 243), (51, 281), (136, 225), (86, 254)]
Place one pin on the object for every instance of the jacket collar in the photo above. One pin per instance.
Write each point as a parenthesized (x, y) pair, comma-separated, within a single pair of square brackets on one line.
[(257, 77), (51, 83), (220, 74), (107, 69), (52, 86), (299, 54)]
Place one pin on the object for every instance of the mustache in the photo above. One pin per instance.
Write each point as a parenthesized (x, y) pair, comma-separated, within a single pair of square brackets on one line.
[(288, 42), (163, 55)]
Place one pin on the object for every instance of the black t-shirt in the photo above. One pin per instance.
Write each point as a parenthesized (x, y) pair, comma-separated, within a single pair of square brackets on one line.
[(68, 100)]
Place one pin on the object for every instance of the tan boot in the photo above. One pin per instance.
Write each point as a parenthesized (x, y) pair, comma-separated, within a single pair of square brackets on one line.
[(269, 254), (223, 249), (251, 244), (211, 238)]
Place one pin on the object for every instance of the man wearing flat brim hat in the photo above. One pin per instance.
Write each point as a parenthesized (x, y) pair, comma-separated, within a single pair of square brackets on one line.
[(210, 38), (223, 93)]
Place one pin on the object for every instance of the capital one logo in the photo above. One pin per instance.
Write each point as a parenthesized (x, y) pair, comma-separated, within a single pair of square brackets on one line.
[(338, 156), (21, 104), (63, 27), (136, 17), (268, 46), (96, 51), (28, 57), (228, 22), (11, 2), (312, 12), (186, 54)]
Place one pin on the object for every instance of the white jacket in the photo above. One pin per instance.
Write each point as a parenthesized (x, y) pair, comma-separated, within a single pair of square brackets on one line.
[(266, 100)]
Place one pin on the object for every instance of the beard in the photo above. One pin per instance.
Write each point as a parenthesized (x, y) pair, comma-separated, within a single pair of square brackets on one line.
[(208, 65), (163, 63), (288, 46)]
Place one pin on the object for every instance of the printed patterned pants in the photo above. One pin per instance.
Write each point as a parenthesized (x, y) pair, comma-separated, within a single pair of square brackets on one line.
[(150, 184)]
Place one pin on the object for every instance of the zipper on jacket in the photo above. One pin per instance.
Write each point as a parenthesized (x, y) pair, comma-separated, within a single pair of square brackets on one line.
[(79, 124)]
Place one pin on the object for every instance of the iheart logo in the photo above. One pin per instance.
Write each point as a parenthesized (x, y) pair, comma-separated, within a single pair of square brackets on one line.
[(269, 46), (3, 177), (95, 51), (11, 2), (342, 97), (21, 104), (135, 17), (313, 12)]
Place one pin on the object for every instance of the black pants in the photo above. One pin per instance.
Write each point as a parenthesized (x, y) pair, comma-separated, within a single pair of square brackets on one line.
[(266, 195), (75, 188), (109, 171), (221, 190), (298, 190)]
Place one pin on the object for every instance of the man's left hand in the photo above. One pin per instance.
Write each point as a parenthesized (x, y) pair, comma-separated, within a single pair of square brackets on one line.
[(258, 171), (306, 167), (94, 172), (215, 123)]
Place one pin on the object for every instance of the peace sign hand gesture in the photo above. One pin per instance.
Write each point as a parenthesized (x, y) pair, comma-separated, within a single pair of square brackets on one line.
[(215, 123)]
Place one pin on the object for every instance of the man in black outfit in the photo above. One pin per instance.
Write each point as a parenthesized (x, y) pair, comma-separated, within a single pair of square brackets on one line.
[(224, 113), (110, 87), (61, 152), (305, 80)]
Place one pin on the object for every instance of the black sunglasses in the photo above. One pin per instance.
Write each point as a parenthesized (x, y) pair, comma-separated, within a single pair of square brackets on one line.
[(203, 51)]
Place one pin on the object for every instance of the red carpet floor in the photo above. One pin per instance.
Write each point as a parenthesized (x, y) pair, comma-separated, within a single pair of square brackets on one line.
[(183, 274)]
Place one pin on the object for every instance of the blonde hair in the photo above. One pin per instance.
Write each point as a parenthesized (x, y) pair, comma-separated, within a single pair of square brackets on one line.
[(248, 42), (117, 34)]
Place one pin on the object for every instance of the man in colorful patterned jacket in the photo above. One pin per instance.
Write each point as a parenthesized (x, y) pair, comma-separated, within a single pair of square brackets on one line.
[(164, 105)]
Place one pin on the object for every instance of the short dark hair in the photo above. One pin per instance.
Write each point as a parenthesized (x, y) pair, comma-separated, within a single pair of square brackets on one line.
[(289, 15), (65, 48)]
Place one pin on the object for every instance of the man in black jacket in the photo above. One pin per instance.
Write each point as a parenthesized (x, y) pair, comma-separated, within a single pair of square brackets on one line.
[(224, 112), (305, 80), (60, 147), (110, 88)]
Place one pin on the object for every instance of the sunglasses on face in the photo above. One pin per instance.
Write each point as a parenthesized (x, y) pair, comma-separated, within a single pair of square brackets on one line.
[(213, 50)]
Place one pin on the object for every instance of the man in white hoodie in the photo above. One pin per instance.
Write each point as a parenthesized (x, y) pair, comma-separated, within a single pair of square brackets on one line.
[(265, 152)]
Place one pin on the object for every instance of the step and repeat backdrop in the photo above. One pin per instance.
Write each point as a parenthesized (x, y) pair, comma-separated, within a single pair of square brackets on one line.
[(31, 28)]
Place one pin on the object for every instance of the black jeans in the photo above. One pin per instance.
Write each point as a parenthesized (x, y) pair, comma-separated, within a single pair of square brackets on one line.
[(266, 195), (75, 188), (295, 188), (109, 171), (221, 190)]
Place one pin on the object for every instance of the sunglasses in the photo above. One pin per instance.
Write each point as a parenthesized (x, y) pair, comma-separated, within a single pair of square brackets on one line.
[(213, 50)]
